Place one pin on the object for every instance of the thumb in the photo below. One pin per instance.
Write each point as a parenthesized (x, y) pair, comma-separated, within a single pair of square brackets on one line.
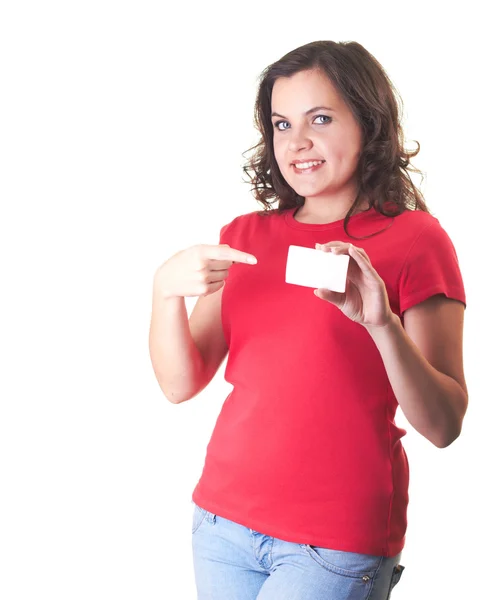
[(328, 295)]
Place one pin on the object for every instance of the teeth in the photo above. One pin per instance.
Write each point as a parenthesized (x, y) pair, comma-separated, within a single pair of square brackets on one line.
[(309, 164)]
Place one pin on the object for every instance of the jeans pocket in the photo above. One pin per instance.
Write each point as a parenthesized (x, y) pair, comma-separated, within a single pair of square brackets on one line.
[(396, 576), (350, 564), (199, 515)]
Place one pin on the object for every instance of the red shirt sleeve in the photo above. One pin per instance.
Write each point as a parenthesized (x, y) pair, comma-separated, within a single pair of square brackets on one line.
[(431, 267)]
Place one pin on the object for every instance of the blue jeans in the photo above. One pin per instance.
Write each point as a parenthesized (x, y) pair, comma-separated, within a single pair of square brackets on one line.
[(233, 562)]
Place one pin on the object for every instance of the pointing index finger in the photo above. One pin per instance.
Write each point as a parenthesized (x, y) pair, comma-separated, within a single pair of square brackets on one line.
[(237, 256)]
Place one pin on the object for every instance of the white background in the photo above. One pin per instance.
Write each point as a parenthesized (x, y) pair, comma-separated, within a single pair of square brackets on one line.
[(122, 131)]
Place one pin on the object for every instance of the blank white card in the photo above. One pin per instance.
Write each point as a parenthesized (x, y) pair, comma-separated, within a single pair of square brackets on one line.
[(317, 269)]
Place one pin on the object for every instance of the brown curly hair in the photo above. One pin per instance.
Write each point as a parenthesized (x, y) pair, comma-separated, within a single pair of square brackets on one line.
[(382, 171)]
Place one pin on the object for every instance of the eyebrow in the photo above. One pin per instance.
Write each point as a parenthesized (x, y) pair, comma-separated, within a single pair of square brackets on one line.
[(275, 114)]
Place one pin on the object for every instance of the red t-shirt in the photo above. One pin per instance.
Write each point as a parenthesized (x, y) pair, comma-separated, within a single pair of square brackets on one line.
[(305, 447)]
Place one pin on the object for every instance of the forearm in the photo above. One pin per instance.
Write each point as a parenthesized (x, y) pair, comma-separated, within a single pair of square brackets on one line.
[(432, 402), (176, 360)]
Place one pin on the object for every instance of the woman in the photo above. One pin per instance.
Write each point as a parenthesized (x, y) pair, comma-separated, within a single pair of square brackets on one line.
[(304, 490)]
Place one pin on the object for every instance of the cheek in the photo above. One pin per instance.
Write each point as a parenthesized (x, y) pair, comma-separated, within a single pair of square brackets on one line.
[(276, 152), (279, 156), (343, 153)]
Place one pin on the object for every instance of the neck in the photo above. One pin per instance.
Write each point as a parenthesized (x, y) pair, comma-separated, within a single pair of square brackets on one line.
[(322, 215)]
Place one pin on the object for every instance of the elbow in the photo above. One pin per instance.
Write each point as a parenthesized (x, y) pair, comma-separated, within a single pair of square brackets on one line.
[(443, 441), (171, 395), (174, 398), (180, 397), (453, 431)]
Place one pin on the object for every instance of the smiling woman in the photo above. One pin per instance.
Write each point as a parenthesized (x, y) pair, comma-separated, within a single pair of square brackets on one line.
[(328, 147), (334, 102), (304, 490)]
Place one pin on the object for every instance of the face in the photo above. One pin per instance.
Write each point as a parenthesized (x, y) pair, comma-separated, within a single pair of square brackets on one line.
[(331, 134)]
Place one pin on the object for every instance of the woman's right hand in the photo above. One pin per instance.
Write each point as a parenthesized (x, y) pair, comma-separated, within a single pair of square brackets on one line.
[(198, 270)]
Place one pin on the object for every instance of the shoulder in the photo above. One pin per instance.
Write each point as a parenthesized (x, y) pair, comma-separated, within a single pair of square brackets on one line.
[(252, 218), (421, 228), (416, 219)]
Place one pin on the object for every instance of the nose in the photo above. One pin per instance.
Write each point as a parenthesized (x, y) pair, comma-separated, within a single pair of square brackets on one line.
[(299, 140)]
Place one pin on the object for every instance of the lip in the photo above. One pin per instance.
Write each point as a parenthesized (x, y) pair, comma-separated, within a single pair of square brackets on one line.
[(306, 171), (303, 160)]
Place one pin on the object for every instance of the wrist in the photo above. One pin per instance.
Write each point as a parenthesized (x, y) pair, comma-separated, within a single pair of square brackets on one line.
[(160, 288), (392, 322)]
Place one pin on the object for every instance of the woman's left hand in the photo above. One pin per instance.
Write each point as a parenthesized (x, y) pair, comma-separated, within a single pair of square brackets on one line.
[(365, 300)]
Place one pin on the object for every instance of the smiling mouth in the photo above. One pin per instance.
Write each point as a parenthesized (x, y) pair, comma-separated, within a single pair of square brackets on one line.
[(309, 169)]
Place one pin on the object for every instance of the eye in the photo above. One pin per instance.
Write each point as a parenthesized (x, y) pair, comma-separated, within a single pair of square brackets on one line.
[(329, 119)]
